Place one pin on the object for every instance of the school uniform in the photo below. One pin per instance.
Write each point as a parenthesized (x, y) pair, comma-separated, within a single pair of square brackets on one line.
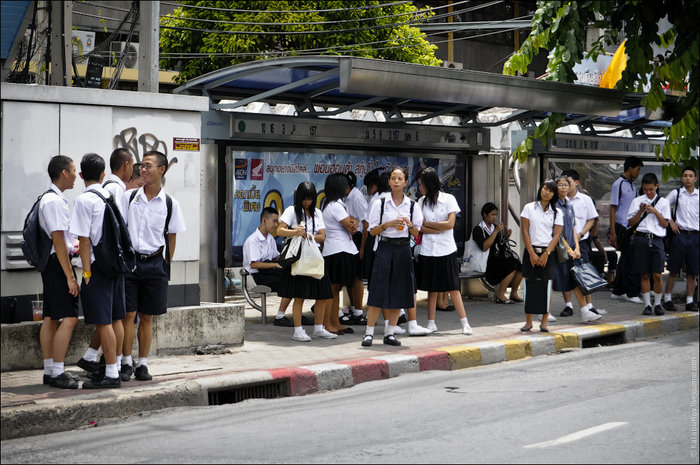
[(438, 268), (147, 288), (339, 250), (563, 281), (584, 210), (115, 186), (541, 232), (103, 296), (627, 281), (358, 208), (368, 260), (393, 260), (262, 248), (684, 245), (649, 254), (54, 215)]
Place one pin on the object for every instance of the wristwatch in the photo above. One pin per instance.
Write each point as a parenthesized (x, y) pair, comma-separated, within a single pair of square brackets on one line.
[(87, 274)]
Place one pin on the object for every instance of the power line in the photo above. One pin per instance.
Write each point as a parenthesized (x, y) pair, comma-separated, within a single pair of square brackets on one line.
[(364, 7)]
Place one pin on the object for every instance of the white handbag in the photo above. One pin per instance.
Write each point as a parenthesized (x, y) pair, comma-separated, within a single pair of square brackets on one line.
[(311, 262), (474, 259)]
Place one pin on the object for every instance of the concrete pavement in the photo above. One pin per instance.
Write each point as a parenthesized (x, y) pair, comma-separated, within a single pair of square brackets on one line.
[(270, 363)]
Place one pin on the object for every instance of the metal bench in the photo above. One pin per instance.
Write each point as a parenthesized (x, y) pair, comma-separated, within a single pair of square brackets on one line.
[(482, 278), (258, 289)]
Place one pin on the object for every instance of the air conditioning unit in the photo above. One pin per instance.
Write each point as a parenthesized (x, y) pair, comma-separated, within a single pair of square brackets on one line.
[(131, 54), (83, 43), (452, 64)]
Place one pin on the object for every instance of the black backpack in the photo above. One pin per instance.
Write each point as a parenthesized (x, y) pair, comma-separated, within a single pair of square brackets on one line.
[(36, 245), (114, 254), (169, 207)]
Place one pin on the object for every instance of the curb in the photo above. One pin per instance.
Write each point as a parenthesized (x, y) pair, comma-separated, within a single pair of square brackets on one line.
[(34, 419)]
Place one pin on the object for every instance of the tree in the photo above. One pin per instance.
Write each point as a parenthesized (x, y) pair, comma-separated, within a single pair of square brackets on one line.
[(560, 27), (207, 36)]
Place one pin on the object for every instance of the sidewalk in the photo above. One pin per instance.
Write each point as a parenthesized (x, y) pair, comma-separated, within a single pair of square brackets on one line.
[(269, 357)]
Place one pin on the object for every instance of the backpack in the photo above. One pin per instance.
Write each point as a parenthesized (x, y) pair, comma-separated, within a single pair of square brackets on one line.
[(114, 254), (36, 245), (169, 206)]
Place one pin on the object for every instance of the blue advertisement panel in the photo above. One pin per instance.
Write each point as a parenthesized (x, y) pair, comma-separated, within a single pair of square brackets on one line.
[(262, 179)]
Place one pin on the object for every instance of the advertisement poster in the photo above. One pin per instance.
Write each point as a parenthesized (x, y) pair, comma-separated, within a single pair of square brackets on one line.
[(262, 179)]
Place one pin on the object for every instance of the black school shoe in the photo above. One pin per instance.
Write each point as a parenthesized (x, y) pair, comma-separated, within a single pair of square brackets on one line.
[(568, 311), (141, 373), (284, 321), (647, 310), (103, 383), (691, 307), (669, 306), (127, 371), (659, 310), (391, 340), (63, 381), (88, 366)]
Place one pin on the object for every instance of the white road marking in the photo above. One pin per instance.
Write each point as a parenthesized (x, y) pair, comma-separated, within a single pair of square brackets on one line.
[(577, 435)]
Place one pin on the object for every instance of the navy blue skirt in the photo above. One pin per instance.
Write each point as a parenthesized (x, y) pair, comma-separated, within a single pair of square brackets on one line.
[(394, 283), (341, 268), (368, 259), (438, 274)]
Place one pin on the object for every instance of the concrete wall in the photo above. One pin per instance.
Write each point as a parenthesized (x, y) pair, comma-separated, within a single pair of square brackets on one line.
[(178, 331)]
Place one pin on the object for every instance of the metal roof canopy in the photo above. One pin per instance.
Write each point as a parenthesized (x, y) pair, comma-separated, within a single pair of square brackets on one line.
[(396, 88)]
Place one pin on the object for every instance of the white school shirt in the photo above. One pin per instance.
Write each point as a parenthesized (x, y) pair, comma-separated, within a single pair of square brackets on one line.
[(146, 220), (584, 210), (54, 215), (650, 224), (357, 205), (541, 223), (687, 210), (621, 197), (391, 212), (258, 248), (289, 217), (438, 245), (338, 239), (88, 215), (116, 188)]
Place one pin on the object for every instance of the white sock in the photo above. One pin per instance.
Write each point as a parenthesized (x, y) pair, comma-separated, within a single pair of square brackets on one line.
[(646, 296), (48, 366), (369, 331), (119, 362), (280, 314), (568, 304), (142, 361), (90, 354), (689, 299), (403, 312), (586, 308), (111, 370), (58, 368), (318, 327), (431, 322), (412, 324), (390, 330), (356, 311), (127, 360), (298, 330), (341, 313), (464, 322), (657, 299), (668, 298)]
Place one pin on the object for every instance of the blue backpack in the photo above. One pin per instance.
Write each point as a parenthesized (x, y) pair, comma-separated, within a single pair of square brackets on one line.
[(36, 245), (114, 254)]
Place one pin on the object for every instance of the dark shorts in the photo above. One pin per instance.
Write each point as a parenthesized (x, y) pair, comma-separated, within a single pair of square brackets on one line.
[(147, 287), (102, 298), (58, 303), (649, 255), (684, 250), (585, 247), (269, 277)]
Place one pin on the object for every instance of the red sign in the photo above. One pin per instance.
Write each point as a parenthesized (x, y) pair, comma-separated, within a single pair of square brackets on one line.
[(257, 169)]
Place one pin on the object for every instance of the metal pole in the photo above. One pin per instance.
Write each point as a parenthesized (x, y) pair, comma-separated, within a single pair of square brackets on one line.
[(263, 304), (149, 32)]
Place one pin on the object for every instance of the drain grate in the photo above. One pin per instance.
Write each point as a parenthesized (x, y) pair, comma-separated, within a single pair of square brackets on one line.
[(271, 390), (609, 340)]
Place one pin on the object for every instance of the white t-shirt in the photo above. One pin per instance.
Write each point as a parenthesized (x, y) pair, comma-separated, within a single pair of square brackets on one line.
[(650, 224), (88, 216), (438, 245), (338, 239), (258, 248), (541, 223), (54, 215), (357, 205), (391, 212)]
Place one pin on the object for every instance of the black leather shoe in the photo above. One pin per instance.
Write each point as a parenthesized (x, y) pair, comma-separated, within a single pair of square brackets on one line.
[(691, 307), (669, 307), (568, 311), (103, 383), (63, 381), (47, 380), (141, 373), (88, 366), (306, 321), (402, 319), (647, 310), (284, 321), (127, 371), (367, 340), (391, 340), (659, 310)]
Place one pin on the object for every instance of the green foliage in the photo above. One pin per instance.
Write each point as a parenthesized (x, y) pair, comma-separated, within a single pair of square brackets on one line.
[(560, 28), (358, 33)]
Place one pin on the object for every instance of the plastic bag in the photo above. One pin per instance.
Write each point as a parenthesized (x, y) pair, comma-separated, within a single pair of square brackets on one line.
[(474, 259), (291, 251), (310, 262)]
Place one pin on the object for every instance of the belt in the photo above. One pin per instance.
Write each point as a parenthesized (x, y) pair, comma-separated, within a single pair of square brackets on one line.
[(142, 257), (396, 240), (683, 231), (649, 236), (539, 250)]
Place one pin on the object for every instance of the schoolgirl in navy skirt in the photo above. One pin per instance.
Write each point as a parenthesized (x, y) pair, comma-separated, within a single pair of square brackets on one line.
[(392, 224), (303, 219)]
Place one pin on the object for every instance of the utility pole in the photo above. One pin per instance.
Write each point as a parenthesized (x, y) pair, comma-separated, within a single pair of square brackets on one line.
[(149, 31), (61, 48), (450, 35)]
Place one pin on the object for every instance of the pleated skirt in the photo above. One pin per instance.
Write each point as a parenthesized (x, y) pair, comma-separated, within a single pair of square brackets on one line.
[(438, 274), (341, 268), (393, 284), (304, 287)]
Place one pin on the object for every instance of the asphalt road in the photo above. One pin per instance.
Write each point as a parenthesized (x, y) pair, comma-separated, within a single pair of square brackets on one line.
[(634, 403)]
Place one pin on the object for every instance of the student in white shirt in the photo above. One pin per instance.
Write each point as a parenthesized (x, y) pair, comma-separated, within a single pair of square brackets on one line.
[(357, 208), (392, 225), (541, 225), (339, 250), (649, 214), (102, 295), (438, 267), (59, 282), (684, 243), (305, 220), (145, 212), (121, 164)]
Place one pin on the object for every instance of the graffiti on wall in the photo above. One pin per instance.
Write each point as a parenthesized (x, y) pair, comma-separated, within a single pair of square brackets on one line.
[(138, 145)]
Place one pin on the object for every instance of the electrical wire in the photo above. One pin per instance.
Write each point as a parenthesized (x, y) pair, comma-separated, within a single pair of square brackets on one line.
[(364, 7)]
